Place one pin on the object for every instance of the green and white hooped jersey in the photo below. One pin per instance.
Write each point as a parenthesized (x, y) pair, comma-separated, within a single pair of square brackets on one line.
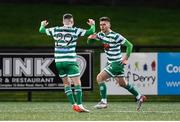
[(114, 42), (65, 42)]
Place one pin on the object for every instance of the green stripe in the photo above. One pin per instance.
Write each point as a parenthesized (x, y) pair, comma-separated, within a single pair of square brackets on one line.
[(112, 32), (76, 29), (66, 47), (50, 33), (113, 54), (116, 37), (62, 41), (80, 33), (115, 46), (101, 34), (113, 59), (109, 35)]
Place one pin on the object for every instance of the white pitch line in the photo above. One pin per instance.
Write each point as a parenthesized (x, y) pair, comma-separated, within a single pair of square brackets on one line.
[(162, 112)]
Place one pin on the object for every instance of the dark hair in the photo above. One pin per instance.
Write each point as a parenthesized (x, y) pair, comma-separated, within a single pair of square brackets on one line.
[(67, 16), (104, 19)]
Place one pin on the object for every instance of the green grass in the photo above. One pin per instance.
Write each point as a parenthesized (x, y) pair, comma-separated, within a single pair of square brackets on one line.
[(142, 25), (61, 111)]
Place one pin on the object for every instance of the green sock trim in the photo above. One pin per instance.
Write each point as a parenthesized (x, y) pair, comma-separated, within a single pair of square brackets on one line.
[(132, 89), (103, 90), (69, 94), (78, 94)]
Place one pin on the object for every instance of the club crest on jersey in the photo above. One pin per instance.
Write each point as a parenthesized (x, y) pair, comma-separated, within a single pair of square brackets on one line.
[(106, 46)]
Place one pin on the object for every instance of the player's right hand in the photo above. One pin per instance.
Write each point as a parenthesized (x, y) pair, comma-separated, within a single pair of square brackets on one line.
[(44, 23), (125, 60), (91, 22)]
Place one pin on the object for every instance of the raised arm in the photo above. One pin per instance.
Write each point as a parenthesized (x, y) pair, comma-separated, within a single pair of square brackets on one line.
[(42, 28), (92, 29)]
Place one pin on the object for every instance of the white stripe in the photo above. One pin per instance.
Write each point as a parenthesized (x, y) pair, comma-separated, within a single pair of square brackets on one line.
[(73, 44), (123, 41), (121, 75), (163, 112), (114, 48), (83, 33), (67, 54), (112, 35), (113, 52), (62, 75), (66, 59), (78, 31), (74, 75), (59, 49), (113, 45), (114, 57), (120, 38), (109, 72), (68, 91), (105, 38), (77, 90), (72, 33), (114, 61), (47, 32)]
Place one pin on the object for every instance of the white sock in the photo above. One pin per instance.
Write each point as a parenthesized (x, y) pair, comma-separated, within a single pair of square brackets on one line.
[(74, 104), (104, 100), (138, 96), (80, 105)]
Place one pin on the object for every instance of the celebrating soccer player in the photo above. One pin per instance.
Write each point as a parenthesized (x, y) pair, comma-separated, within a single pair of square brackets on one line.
[(65, 56), (112, 42)]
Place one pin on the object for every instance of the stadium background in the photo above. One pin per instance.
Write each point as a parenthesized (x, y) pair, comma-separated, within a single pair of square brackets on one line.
[(143, 22)]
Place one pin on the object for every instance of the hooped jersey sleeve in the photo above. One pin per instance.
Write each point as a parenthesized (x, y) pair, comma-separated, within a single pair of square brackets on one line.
[(50, 31), (120, 39), (81, 32)]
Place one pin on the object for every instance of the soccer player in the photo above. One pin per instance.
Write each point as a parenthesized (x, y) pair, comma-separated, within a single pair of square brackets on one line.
[(112, 42), (65, 56)]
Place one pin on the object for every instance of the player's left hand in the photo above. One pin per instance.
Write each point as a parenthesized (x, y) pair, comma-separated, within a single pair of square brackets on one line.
[(91, 22), (93, 36), (125, 60)]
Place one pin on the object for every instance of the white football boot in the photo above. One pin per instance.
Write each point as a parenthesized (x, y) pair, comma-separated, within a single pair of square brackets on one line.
[(101, 105)]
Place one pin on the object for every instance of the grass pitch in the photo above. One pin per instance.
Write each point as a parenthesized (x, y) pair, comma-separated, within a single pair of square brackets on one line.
[(61, 111)]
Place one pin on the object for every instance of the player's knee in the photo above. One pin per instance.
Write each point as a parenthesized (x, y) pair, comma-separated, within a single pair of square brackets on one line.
[(77, 82), (122, 84), (66, 83)]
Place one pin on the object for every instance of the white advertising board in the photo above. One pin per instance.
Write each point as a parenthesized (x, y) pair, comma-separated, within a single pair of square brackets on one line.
[(141, 71)]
